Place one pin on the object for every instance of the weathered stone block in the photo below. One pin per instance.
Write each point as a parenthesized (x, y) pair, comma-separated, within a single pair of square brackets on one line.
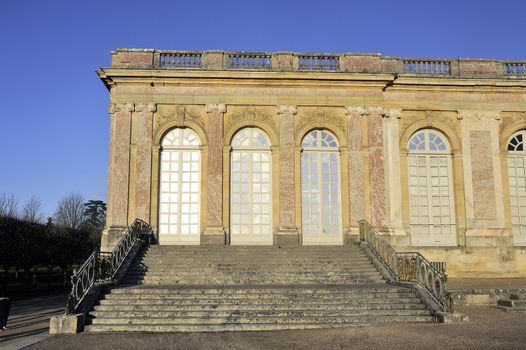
[(132, 59), (361, 63), (66, 324), (479, 68), (213, 59), (282, 61)]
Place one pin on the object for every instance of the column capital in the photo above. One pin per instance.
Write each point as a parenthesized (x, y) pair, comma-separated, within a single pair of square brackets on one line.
[(146, 106), (212, 107), (289, 109), (393, 113), (129, 107), (114, 108), (361, 110)]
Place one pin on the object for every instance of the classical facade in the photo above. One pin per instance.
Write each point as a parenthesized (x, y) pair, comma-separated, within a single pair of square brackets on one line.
[(285, 148)]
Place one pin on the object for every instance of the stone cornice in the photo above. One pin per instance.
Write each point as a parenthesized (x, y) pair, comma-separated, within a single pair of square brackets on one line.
[(287, 109), (215, 107)]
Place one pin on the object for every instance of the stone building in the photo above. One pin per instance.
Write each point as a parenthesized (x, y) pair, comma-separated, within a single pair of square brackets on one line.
[(286, 148)]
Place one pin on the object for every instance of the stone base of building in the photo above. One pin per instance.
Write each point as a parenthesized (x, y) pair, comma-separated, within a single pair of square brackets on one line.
[(66, 324), (111, 237), (214, 236), (287, 237)]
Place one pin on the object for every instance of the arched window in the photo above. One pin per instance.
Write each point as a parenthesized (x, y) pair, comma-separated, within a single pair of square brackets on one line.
[(320, 189), (179, 194), (432, 215), (517, 182), (250, 190)]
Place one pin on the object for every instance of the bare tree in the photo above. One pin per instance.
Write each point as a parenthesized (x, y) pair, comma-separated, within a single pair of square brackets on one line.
[(32, 210), (8, 206), (70, 210)]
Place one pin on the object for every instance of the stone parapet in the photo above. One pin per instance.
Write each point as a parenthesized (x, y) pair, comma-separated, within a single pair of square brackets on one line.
[(370, 63)]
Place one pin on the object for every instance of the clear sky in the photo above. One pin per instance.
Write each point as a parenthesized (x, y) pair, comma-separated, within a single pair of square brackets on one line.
[(53, 108)]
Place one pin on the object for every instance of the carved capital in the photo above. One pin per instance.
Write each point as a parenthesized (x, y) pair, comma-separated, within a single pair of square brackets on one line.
[(393, 113), (114, 108), (379, 110), (129, 107), (152, 107), (289, 109), (139, 107), (360, 110), (213, 107)]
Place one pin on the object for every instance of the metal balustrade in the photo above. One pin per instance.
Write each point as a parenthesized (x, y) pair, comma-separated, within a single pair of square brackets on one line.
[(319, 62), (515, 69), (102, 267), (249, 61), (180, 60), (427, 67), (408, 266)]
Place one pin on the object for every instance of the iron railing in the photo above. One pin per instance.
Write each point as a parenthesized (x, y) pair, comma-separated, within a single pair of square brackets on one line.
[(102, 267), (408, 266)]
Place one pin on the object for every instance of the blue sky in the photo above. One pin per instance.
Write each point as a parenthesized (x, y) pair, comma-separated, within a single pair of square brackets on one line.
[(53, 108)]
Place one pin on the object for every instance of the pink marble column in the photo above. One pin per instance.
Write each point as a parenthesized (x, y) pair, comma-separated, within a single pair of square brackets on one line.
[(377, 168), (143, 161), (356, 165), (118, 174), (214, 230), (287, 219)]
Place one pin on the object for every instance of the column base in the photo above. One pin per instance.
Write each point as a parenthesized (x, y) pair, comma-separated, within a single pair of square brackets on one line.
[(287, 237), (111, 237), (214, 236)]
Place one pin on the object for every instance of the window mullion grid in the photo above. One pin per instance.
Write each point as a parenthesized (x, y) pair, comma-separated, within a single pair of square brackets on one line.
[(180, 191)]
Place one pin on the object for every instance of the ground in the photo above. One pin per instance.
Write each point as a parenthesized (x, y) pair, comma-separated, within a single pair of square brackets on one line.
[(490, 328)]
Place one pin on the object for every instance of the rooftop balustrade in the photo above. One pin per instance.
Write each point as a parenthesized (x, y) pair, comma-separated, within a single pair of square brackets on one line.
[(318, 62)]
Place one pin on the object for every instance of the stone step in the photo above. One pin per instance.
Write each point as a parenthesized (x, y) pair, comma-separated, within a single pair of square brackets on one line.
[(204, 327), (243, 289), (256, 296), (269, 301), (349, 318), (324, 305), (254, 274), (222, 312), (232, 282)]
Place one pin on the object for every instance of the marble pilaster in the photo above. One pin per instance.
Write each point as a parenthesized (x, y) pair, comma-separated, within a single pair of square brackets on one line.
[(214, 230), (118, 174), (143, 159), (377, 168), (482, 175), (287, 219), (356, 165)]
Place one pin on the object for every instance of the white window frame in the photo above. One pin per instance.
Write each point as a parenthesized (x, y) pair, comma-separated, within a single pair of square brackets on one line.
[(321, 237), (516, 163), (430, 152), (241, 233), (178, 146)]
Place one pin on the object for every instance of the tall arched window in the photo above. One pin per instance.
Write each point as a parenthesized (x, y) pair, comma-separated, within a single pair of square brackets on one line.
[(432, 214), (179, 197), (517, 183), (320, 189), (250, 190)]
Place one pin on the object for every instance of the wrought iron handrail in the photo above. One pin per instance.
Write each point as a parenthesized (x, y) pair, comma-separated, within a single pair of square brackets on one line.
[(408, 266), (102, 267)]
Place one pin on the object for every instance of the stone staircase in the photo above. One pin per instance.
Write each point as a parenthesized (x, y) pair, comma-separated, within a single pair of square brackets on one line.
[(200, 288)]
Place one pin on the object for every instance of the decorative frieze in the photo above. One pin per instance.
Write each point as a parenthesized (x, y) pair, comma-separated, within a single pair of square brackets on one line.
[(485, 116)]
